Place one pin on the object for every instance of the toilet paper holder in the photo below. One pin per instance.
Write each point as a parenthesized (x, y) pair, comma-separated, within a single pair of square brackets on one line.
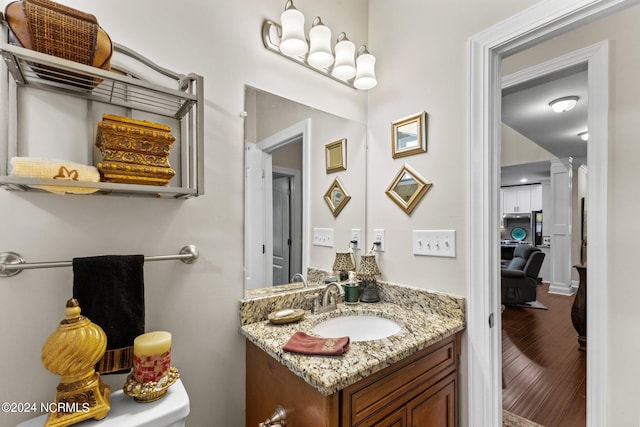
[(278, 418)]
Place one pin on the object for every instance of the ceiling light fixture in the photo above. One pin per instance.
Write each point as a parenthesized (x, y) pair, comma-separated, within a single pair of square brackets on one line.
[(562, 105), (584, 135), (288, 39), (523, 180)]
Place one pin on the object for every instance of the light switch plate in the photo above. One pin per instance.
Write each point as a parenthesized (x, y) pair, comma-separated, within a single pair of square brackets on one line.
[(434, 243), (323, 237)]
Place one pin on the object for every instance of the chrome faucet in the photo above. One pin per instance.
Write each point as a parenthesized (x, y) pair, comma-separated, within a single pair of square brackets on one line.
[(302, 279), (327, 300)]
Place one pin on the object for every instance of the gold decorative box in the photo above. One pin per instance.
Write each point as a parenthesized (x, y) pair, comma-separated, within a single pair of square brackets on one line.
[(134, 151)]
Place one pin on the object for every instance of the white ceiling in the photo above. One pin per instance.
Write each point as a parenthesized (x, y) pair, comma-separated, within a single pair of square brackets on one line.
[(525, 108)]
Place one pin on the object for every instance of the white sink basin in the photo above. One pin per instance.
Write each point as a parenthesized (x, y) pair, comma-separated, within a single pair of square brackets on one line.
[(357, 328)]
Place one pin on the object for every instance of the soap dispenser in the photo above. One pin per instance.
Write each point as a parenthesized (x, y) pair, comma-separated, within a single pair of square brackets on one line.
[(351, 289)]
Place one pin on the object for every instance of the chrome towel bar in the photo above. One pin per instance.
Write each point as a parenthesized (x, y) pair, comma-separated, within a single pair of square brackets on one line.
[(12, 263)]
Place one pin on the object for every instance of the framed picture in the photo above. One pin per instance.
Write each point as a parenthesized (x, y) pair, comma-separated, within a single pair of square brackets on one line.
[(336, 197), (407, 189), (409, 135), (336, 155)]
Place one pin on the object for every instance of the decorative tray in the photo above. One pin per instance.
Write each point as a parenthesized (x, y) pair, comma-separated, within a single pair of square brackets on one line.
[(289, 315)]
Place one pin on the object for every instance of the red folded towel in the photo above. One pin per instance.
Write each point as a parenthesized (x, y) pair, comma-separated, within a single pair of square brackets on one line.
[(306, 344)]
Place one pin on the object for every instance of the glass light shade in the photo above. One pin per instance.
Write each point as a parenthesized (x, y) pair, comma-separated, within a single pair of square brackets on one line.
[(365, 72), (320, 55), (345, 66), (293, 41), (561, 105)]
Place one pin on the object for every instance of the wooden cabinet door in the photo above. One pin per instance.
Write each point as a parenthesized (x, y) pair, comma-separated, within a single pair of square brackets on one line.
[(435, 407), (397, 418)]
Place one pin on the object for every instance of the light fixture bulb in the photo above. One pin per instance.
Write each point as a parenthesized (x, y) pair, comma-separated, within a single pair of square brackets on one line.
[(523, 180), (584, 135), (345, 66), (320, 55), (293, 41), (562, 105), (365, 70)]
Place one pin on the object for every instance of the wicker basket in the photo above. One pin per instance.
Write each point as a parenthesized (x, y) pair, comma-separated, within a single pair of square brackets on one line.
[(58, 30)]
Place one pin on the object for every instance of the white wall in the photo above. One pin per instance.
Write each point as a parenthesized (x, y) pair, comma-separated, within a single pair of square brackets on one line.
[(517, 149), (198, 303), (422, 66), (623, 32)]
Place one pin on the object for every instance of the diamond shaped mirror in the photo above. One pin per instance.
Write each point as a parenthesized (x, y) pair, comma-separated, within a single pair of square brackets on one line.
[(407, 189), (336, 197)]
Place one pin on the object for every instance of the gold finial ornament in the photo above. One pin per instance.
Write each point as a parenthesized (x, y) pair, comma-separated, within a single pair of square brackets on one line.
[(72, 352)]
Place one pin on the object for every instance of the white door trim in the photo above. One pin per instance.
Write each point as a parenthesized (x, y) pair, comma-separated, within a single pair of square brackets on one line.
[(485, 50), (296, 131)]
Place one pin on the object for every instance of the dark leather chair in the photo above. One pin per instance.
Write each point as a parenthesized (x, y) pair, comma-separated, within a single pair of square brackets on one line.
[(520, 278)]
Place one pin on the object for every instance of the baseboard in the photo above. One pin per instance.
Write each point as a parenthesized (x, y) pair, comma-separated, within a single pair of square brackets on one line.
[(561, 289)]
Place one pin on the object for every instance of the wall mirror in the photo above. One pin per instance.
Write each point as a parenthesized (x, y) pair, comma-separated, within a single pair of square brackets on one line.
[(285, 185), (336, 156), (407, 189), (336, 197), (409, 135)]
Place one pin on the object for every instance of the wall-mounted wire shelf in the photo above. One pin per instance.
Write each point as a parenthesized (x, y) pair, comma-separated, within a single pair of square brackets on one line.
[(180, 101)]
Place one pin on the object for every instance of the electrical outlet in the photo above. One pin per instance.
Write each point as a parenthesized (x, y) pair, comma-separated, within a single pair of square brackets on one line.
[(378, 239), (434, 243), (323, 237), (355, 236)]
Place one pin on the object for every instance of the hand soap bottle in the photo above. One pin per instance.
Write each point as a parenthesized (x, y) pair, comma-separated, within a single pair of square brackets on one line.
[(351, 290)]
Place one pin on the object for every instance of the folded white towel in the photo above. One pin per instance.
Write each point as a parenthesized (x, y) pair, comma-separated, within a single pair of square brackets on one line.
[(34, 167)]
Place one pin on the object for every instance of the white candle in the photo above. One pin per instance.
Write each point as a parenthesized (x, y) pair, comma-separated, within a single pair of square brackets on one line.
[(151, 356)]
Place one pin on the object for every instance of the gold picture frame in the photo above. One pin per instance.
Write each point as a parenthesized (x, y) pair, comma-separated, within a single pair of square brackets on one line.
[(408, 188), (336, 197), (409, 135), (336, 155)]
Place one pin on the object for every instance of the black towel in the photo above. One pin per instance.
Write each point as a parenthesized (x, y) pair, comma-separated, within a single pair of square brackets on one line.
[(110, 291)]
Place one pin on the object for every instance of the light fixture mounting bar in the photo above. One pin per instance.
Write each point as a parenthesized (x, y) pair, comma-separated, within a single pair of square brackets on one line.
[(269, 28)]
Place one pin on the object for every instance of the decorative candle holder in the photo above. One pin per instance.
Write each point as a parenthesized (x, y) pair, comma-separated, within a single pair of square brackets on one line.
[(152, 371), (71, 352), (343, 264), (367, 273)]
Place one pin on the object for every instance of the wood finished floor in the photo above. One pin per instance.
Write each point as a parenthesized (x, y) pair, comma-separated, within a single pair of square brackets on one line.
[(544, 373)]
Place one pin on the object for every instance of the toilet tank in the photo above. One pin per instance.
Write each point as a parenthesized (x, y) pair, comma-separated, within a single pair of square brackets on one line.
[(169, 411)]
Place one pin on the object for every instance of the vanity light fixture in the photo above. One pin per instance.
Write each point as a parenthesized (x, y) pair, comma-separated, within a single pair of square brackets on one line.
[(292, 41), (365, 66), (320, 54), (584, 135), (288, 39), (562, 105), (345, 66)]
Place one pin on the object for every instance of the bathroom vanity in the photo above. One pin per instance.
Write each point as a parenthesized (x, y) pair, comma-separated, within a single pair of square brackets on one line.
[(409, 378)]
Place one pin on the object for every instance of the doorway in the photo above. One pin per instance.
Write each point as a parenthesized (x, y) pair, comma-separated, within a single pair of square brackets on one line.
[(287, 222), (276, 176), (543, 372), (485, 52)]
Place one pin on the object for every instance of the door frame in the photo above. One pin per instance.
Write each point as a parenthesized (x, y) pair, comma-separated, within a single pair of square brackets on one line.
[(485, 51), (295, 132)]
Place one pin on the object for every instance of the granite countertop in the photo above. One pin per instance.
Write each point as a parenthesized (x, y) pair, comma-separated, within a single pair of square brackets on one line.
[(425, 320)]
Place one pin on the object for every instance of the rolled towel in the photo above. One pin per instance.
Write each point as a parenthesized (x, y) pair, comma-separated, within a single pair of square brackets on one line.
[(307, 344), (35, 167)]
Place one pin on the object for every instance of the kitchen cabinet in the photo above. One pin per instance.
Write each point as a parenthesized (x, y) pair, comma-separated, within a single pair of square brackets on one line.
[(25, 80), (521, 199), (419, 390)]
